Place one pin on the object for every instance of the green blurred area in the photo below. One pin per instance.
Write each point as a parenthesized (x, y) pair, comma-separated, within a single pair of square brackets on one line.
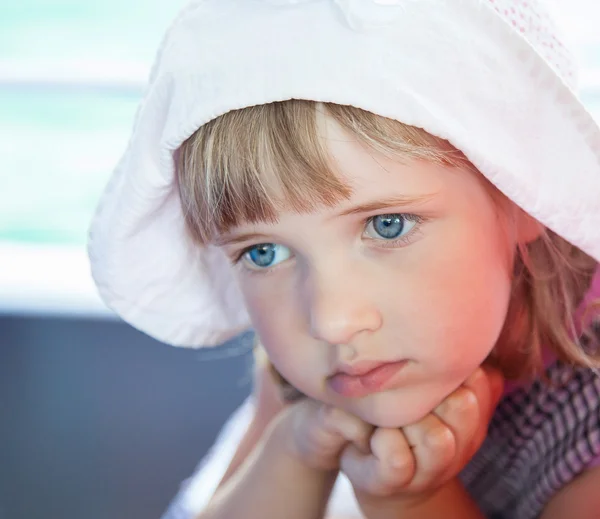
[(57, 150), (58, 144)]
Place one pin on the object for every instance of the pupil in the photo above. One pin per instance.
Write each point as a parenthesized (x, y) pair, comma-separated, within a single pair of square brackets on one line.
[(388, 226), (263, 255)]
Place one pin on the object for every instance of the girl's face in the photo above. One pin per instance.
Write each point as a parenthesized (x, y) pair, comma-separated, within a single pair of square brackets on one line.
[(410, 276)]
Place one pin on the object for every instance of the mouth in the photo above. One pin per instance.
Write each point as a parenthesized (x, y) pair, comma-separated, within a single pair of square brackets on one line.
[(378, 378)]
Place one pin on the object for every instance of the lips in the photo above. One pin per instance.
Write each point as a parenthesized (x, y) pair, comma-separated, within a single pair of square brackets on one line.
[(362, 380)]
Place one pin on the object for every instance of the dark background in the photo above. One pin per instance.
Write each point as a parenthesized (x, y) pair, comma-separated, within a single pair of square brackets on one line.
[(98, 421)]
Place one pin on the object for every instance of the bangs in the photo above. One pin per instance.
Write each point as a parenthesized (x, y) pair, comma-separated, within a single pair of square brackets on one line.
[(249, 164)]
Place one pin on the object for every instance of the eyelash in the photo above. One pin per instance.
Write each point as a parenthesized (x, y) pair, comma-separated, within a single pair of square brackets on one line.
[(386, 244)]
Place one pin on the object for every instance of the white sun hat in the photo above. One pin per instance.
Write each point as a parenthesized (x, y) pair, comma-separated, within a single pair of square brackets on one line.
[(490, 76)]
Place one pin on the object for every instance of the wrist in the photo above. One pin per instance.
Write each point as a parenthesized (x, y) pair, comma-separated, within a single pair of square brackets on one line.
[(391, 507), (450, 501)]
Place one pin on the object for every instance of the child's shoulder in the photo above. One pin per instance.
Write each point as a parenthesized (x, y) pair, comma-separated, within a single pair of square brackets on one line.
[(541, 437)]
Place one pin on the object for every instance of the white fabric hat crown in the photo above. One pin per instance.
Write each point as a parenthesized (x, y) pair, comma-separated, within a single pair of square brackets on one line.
[(491, 76)]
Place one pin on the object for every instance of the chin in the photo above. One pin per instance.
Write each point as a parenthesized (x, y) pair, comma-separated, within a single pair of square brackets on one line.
[(387, 410)]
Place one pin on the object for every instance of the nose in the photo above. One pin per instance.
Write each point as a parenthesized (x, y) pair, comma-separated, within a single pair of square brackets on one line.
[(340, 307)]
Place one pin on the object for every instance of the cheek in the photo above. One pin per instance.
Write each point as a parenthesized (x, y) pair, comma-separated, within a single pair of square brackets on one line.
[(278, 323), (460, 296), (268, 308), (480, 307), (471, 322)]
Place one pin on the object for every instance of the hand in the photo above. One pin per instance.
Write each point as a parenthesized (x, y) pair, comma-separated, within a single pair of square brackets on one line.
[(405, 467), (316, 434)]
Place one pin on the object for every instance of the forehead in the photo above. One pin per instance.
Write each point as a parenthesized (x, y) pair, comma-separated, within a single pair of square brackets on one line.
[(369, 173)]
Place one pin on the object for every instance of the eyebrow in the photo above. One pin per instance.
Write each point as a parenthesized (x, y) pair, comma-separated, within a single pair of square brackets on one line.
[(238, 238), (395, 202)]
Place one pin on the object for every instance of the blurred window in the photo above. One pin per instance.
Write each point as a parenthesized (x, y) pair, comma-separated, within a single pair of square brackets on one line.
[(71, 75)]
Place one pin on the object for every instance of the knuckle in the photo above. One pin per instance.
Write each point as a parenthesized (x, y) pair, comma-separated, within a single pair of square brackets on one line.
[(402, 464), (463, 401), (461, 408), (440, 439), (402, 471), (467, 400)]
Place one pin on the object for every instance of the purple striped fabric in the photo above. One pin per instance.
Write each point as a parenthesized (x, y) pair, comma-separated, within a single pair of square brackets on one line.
[(540, 438)]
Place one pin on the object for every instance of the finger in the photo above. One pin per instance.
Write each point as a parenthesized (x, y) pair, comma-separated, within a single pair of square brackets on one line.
[(382, 473), (488, 385), (394, 455), (434, 448), (337, 422), (460, 412)]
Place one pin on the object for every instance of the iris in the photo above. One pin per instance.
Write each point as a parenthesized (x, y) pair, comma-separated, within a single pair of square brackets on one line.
[(266, 255), (388, 226)]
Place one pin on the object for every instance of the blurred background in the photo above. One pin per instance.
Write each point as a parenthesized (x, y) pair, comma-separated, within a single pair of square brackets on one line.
[(96, 419)]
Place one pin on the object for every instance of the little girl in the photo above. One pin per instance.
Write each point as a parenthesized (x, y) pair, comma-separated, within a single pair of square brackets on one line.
[(402, 199)]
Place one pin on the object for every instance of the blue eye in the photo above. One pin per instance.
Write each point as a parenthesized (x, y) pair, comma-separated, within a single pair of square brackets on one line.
[(266, 255), (389, 226)]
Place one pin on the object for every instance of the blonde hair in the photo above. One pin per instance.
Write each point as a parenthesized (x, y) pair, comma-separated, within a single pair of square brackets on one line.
[(247, 164)]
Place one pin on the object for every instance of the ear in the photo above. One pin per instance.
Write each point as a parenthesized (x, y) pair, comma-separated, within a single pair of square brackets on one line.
[(528, 228)]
